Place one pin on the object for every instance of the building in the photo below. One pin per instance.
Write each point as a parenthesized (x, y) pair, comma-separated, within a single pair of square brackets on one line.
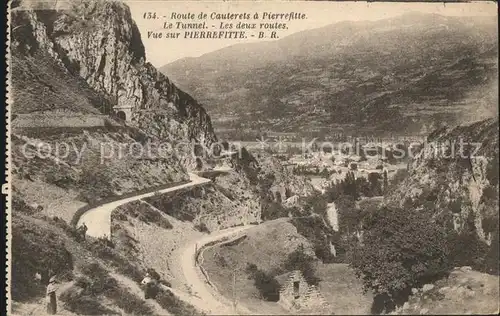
[(297, 295)]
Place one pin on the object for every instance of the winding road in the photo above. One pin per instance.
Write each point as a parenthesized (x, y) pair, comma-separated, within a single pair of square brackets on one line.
[(98, 222), (212, 302)]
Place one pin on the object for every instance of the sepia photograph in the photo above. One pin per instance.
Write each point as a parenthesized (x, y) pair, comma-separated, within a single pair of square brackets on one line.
[(252, 158)]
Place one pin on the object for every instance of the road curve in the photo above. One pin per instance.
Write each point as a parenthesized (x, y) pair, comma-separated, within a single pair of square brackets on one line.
[(213, 302), (98, 222), (98, 219)]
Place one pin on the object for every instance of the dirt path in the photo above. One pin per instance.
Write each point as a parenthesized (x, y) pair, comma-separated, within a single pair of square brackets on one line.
[(98, 219)]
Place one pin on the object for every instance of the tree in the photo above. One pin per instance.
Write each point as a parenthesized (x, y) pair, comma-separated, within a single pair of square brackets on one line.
[(375, 187), (386, 182), (199, 163), (362, 155), (401, 249), (398, 178), (324, 172), (299, 260), (316, 204), (349, 185), (466, 247), (267, 285), (278, 197), (347, 213), (364, 187), (82, 8)]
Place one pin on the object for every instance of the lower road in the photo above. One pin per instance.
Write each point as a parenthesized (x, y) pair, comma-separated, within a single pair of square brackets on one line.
[(206, 298), (211, 301)]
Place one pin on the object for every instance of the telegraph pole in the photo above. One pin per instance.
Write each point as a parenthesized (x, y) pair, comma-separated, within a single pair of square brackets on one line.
[(234, 289), (196, 254)]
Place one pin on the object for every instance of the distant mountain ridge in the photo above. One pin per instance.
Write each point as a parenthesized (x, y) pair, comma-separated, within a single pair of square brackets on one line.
[(397, 74)]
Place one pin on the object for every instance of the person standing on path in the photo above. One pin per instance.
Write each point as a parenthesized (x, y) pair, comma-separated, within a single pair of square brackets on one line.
[(83, 231), (150, 286), (51, 296)]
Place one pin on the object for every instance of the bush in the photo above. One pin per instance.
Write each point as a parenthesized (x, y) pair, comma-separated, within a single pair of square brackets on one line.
[(268, 286), (130, 271), (125, 244), (35, 249), (492, 170), (299, 260), (202, 227), (97, 280), (128, 302), (69, 230), (316, 204), (102, 248), (467, 249), (142, 212), (20, 206), (316, 232), (272, 210), (398, 178), (77, 303), (171, 303), (96, 183), (401, 249), (492, 256)]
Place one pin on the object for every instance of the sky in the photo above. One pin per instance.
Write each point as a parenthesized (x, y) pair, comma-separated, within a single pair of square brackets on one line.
[(163, 51)]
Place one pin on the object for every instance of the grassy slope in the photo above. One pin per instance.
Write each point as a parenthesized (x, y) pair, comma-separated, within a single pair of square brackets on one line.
[(211, 205), (151, 237), (40, 84), (220, 261), (343, 290), (338, 284), (83, 269), (73, 182), (96, 279)]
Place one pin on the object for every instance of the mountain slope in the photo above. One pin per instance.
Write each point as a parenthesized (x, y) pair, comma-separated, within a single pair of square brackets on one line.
[(100, 43), (394, 74), (457, 185), (68, 69)]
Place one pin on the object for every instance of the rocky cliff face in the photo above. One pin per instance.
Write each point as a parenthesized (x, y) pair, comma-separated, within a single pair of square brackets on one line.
[(453, 186), (99, 42), (464, 291)]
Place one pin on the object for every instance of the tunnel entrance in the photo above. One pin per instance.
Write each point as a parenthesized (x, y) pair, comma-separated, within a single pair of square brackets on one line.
[(121, 115)]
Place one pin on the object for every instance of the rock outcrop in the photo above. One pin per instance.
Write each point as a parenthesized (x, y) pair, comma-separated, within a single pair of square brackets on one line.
[(463, 292), (455, 176), (99, 42)]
